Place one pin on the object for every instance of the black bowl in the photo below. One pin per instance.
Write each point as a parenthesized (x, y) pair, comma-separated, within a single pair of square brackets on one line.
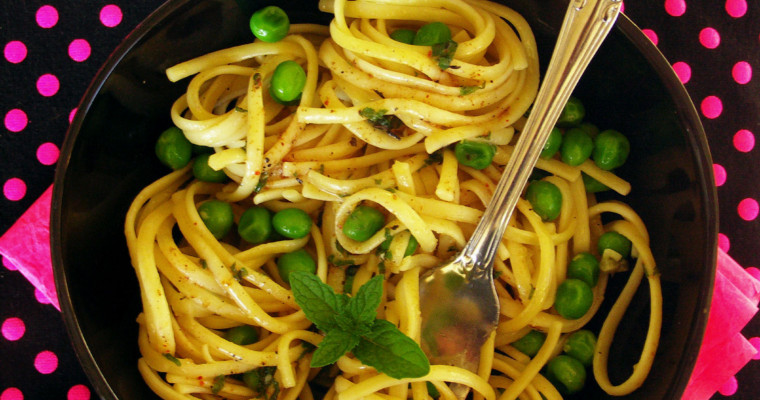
[(108, 157)]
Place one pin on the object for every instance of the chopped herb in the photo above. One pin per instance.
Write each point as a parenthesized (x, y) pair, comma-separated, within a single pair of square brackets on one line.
[(261, 379), (204, 264), (218, 384), (338, 262), (242, 273), (321, 168), (389, 124), (435, 157), (307, 348), (390, 189), (340, 248), (384, 249), (465, 90), (348, 285), (173, 359), (262, 182), (378, 181), (496, 274), (242, 110), (381, 267), (444, 53), (532, 291), (452, 249)]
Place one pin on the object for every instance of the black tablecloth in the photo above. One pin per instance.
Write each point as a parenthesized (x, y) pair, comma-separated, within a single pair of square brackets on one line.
[(53, 49)]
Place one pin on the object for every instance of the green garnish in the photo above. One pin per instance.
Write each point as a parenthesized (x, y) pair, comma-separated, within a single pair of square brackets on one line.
[(435, 157), (338, 262), (389, 124), (261, 379), (218, 384), (340, 248), (173, 359), (262, 182), (350, 324), (465, 90), (204, 264), (348, 285), (444, 53)]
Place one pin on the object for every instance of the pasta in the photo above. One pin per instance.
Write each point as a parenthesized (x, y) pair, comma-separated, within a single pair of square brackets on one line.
[(375, 125)]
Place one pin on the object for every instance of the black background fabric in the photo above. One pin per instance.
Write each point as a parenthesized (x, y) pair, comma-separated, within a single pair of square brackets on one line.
[(48, 118)]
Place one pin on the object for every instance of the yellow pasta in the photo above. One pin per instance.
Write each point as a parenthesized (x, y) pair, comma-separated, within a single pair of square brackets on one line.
[(375, 126)]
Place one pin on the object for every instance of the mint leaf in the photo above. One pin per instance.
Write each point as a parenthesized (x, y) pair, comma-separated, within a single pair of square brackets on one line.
[(391, 352), (318, 301), (363, 306), (350, 324), (335, 344)]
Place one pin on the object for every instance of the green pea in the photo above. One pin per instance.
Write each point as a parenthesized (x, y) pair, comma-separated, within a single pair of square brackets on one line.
[(573, 299), (270, 24), (545, 198), (530, 343), (292, 223), (614, 241), (299, 260), (218, 217), (403, 36), (242, 335), (288, 81), (363, 222), (576, 147), (473, 154), (432, 33), (255, 225), (173, 149), (572, 114), (584, 266), (590, 128), (592, 185), (567, 374), (580, 345), (611, 149), (203, 172), (553, 143)]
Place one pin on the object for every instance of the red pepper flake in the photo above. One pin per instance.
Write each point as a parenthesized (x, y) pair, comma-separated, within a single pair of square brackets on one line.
[(327, 102), (257, 173), (430, 53)]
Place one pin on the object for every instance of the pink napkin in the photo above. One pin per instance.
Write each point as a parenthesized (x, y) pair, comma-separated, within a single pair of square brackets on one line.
[(724, 350), (26, 246)]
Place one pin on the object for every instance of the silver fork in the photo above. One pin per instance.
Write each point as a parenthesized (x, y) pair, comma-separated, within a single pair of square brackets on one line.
[(458, 300)]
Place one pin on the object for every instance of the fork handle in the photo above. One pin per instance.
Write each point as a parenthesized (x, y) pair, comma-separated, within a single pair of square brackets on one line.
[(586, 24)]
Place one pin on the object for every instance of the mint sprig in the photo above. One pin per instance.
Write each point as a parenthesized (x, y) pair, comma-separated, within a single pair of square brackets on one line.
[(351, 325)]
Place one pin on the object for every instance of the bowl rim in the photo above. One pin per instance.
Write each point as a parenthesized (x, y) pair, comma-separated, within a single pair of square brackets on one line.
[(690, 120)]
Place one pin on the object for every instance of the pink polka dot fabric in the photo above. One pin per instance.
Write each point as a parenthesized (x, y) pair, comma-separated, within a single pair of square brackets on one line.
[(51, 50)]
